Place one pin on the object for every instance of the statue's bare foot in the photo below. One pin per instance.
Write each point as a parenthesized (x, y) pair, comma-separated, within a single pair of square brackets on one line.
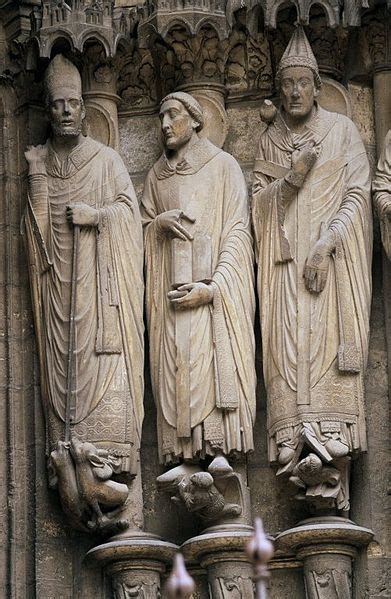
[(232, 510), (219, 466), (337, 449), (285, 456), (105, 524), (169, 481)]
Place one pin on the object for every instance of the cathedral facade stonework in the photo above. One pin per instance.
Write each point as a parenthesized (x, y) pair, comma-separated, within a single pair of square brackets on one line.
[(196, 298)]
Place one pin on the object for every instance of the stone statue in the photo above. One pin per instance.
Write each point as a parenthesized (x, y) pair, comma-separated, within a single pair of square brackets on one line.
[(199, 294), (312, 220), (382, 194), (84, 243)]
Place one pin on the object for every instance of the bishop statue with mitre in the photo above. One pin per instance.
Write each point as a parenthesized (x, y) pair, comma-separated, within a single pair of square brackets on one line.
[(313, 225)]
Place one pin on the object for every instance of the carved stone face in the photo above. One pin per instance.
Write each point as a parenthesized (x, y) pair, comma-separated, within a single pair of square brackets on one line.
[(177, 124), (66, 114), (298, 91)]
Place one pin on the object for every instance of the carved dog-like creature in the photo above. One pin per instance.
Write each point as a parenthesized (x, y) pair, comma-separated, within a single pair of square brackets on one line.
[(93, 471)]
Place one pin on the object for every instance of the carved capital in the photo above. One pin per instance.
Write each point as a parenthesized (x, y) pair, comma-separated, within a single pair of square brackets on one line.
[(137, 586), (137, 81), (377, 29), (170, 52), (248, 68), (230, 573)]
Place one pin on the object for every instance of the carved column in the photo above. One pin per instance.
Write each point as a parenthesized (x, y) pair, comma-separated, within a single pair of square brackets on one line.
[(100, 77), (135, 564), (222, 555), (379, 38), (211, 96), (327, 547)]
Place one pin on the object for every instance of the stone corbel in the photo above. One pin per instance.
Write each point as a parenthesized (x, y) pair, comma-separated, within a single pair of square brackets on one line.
[(218, 496)]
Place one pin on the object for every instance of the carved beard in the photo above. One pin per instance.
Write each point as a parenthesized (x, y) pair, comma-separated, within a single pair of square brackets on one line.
[(60, 132)]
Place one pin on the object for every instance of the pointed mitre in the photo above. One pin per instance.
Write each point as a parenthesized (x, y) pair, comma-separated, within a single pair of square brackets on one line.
[(298, 53), (62, 76)]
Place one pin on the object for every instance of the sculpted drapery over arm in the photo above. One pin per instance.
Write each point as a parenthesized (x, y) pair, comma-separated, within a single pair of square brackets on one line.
[(118, 266), (382, 194), (349, 223), (228, 322), (200, 312), (84, 244)]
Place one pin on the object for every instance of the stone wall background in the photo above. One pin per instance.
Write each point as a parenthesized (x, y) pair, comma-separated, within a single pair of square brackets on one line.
[(41, 557)]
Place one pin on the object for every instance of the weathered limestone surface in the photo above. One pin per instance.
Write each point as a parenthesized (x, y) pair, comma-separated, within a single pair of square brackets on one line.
[(39, 555)]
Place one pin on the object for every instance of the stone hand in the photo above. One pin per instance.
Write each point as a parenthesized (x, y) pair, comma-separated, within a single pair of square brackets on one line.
[(36, 157), (303, 160), (169, 223), (318, 262), (191, 295), (82, 214)]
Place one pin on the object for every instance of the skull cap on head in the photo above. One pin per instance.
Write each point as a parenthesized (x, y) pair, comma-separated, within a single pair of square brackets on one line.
[(190, 103), (298, 53), (62, 76)]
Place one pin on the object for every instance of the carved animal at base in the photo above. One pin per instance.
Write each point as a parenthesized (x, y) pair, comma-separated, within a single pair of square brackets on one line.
[(200, 495), (317, 482), (93, 471), (82, 473), (63, 477)]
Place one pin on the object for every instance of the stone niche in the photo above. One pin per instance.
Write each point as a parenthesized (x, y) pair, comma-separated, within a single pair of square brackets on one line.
[(226, 55)]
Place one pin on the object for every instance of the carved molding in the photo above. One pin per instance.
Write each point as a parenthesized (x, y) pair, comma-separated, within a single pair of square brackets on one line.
[(78, 21), (231, 586), (377, 27), (140, 589), (328, 584)]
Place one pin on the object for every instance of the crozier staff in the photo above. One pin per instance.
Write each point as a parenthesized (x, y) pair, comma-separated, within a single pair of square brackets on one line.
[(75, 181)]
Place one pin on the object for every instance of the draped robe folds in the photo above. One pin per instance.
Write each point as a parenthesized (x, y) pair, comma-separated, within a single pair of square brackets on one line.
[(208, 184), (314, 345), (382, 194), (109, 300)]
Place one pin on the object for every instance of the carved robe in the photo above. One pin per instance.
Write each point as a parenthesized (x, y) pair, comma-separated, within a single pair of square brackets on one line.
[(382, 194), (108, 408), (219, 398), (314, 345)]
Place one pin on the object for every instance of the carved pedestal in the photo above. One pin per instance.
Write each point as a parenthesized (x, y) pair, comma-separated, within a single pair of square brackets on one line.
[(221, 552), (135, 562), (327, 546)]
